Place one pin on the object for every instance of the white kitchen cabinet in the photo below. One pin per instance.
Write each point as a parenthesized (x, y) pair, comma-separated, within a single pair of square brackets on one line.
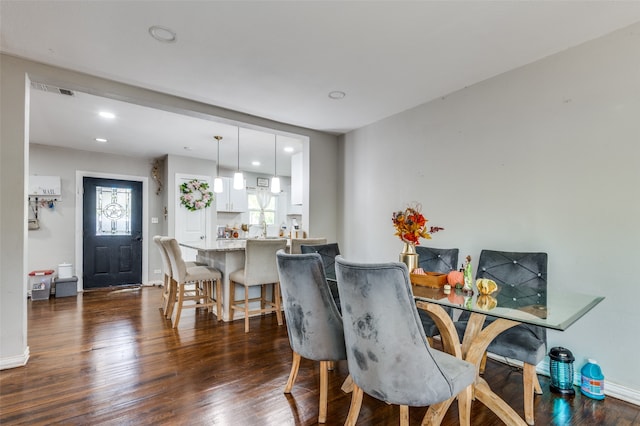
[(231, 200)]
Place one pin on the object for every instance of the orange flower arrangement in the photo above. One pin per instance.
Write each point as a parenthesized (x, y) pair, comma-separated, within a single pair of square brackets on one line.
[(411, 225)]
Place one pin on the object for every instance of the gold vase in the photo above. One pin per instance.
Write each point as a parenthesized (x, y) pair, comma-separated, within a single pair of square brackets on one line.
[(409, 257)]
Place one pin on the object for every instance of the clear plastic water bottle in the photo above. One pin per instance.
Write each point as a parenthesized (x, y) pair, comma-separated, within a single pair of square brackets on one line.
[(592, 383)]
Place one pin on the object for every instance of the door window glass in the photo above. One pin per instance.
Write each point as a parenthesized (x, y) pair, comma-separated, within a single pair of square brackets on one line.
[(113, 211)]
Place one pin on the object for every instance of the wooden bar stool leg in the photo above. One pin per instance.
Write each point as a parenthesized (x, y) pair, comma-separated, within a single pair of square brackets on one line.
[(246, 309)]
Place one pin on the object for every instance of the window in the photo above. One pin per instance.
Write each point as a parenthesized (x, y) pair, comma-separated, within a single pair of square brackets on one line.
[(259, 198), (113, 211)]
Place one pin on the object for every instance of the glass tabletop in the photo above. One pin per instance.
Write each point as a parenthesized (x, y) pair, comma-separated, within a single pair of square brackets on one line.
[(554, 309)]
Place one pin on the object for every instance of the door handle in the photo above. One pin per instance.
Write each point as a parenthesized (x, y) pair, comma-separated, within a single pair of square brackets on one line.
[(138, 238)]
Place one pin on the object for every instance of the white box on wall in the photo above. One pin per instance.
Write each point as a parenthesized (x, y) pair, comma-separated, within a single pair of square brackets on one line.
[(44, 185)]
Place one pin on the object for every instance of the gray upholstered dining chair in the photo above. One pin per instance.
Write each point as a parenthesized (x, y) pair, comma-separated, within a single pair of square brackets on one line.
[(387, 351), (313, 322), (191, 284), (328, 252), (522, 277), (297, 242), (435, 260), (260, 269)]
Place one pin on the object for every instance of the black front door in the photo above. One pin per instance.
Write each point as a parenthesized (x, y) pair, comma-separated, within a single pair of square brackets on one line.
[(112, 232)]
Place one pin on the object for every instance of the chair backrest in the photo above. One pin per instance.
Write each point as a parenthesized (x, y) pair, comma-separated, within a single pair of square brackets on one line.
[(297, 242), (313, 322), (166, 263), (328, 252), (437, 259), (387, 351), (178, 266), (522, 277), (260, 261)]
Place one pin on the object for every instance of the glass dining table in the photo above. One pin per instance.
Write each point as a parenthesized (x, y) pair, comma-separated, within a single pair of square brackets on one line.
[(557, 310)]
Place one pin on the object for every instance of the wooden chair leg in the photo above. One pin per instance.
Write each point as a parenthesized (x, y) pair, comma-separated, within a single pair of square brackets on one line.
[(347, 385), (529, 372), (263, 297), (165, 293), (173, 294), (180, 302), (246, 309), (324, 390), (232, 299), (276, 299), (295, 365), (404, 415), (218, 285), (354, 408), (430, 340), (537, 389)]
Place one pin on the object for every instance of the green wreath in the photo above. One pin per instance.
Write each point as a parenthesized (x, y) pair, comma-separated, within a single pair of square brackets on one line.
[(195, 195)]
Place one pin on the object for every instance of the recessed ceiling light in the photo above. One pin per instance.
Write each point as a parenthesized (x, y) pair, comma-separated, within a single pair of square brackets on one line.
[(101, 140), (255, 163), (288, 149), (337, 94), (106, 114), (162, 34), (187, 148)]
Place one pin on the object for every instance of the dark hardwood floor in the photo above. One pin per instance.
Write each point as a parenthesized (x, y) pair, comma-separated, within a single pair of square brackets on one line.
[(109, 357)]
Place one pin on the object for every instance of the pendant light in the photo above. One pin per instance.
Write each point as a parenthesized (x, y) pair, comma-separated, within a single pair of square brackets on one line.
[(238, 178), (218, 187), (275, 180)]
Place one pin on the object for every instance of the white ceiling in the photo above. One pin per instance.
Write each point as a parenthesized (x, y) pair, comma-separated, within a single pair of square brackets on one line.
[(279, 60)]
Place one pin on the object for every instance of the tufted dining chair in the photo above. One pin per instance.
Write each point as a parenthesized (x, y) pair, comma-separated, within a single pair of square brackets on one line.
[(260, 269), (328, 253), (387, 351), (191, 284), (297, 242), (522, 277), (435, 260), (314, 324)]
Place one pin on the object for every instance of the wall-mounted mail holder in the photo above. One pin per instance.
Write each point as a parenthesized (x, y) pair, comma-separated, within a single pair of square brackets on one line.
[(44, 191)]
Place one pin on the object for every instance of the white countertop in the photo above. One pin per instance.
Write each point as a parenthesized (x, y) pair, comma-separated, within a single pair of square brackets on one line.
[(220, 245)]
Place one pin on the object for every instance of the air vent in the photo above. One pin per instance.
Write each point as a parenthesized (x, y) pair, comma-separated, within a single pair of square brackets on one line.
[(52, 89)]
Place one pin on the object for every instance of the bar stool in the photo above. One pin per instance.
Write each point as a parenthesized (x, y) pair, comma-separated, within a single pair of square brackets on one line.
[(260, 269), (297, 242), (194, 284)]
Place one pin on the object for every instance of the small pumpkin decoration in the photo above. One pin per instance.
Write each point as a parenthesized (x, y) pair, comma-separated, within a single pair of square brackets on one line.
[(455, 277)]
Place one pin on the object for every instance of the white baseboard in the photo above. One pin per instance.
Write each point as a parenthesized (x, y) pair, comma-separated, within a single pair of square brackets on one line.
[(611, 389), (15, 361)]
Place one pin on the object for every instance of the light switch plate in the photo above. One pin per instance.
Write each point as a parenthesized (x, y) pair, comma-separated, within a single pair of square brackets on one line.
[(154, 220)]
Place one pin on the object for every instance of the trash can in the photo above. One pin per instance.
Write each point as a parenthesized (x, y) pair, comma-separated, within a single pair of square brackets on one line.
[(66, 287), (40, 284)]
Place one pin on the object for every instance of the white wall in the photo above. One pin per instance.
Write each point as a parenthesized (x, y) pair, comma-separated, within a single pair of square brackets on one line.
[(543, 158)]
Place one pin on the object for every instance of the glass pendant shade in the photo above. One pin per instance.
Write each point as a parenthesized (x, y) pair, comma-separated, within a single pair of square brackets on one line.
[(238, 180), (275, 185), (218, 187)]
